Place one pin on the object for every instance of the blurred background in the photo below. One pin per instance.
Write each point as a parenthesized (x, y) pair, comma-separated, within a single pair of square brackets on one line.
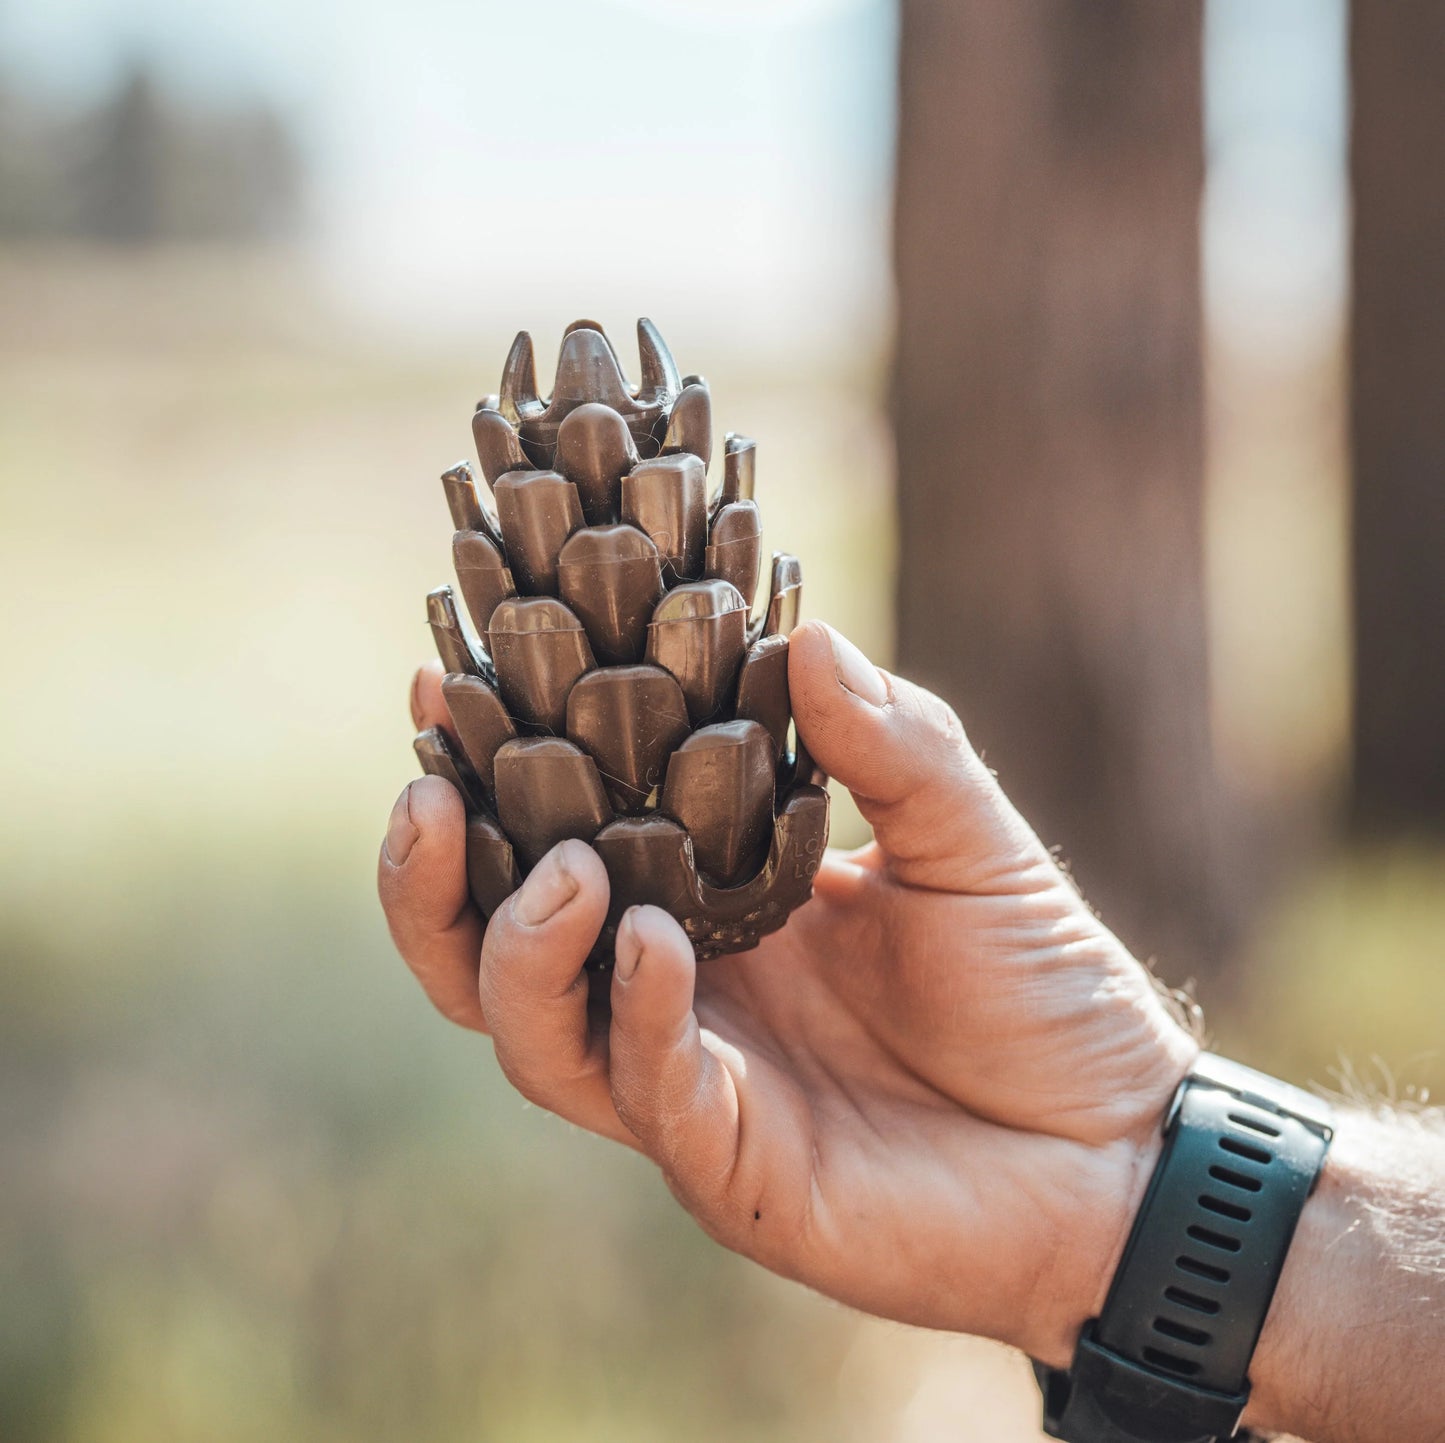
[(1094, 354)]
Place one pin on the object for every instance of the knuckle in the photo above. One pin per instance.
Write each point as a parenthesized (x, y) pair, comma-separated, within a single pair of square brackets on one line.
[(948, 743), (942, 723)]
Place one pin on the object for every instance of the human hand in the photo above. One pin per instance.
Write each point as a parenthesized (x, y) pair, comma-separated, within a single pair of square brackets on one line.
[(935, 1094)]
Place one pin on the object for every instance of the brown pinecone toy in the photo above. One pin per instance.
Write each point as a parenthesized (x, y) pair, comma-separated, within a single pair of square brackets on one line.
[(619, 689)]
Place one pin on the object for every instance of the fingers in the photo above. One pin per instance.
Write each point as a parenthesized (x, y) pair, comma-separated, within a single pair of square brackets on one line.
[(939, 816), (669, 1089), (428, 706), (534, 988), (422, 878)]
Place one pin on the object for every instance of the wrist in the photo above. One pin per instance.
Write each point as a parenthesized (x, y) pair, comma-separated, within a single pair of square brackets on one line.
[(1111, 1183), (1071, 1286)]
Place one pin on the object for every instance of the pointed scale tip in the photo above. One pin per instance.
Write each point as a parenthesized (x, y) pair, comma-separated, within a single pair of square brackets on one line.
[(659, 380), (451, 641), (588, 370), (585, 325), (518, 395), (785, 596), (462, 499), (739, 466)]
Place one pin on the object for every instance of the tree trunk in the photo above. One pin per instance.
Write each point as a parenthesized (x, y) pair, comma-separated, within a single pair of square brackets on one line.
[(1397, 405), (1048, 402)]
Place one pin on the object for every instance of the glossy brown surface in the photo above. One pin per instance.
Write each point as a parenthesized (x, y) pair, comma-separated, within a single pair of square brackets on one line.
[(492, 872), (483, 575), (763, 690), (498, 447), (785, 596), (720, 787), (735, 547), (455, 650), (806, 772), (630, 719), (548, 790), (538, 511), (667, 499), (611, 577), (739, 461), (588, 370), (648, 860), (462, 499), (480, 720), (595, 450), (624, 697), (539, 650), (690, 426), (699, 634), (439, 758)]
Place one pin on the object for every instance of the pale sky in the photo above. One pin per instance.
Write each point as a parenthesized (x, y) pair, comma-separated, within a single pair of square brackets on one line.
[(726, 159), (478, 158), (1276, 214)]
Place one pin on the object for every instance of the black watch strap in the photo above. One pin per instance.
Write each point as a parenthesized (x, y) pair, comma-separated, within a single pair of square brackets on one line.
[(1167, 1359)]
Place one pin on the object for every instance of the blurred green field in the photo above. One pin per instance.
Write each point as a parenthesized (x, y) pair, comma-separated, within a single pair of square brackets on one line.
[(255, 1190)]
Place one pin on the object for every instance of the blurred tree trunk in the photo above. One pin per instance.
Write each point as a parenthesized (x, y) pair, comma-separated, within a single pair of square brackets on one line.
[(1397, 403), (1048, 406)]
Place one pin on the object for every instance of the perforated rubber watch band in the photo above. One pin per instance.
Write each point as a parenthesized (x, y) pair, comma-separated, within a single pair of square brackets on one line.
[(1167, 1359)]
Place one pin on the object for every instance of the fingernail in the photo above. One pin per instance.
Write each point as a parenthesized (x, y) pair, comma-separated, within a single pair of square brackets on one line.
[(401, 832), (856, 673), (547, 890), (628, 950), (415, 700)]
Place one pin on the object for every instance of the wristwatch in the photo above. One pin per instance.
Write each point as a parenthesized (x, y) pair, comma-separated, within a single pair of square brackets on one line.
[(1167, 1359)]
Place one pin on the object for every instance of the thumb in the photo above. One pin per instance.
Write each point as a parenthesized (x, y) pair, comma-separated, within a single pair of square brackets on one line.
[(938, 814)]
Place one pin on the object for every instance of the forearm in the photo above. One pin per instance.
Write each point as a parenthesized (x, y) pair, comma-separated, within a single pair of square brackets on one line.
[(1353, 1348)]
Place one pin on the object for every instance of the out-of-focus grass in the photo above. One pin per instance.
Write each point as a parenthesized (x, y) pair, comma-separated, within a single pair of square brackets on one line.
[(258, 1192), (1346, 978)]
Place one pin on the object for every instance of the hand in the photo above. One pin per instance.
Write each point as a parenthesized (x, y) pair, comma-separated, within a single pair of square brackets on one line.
[(934, 1095)]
